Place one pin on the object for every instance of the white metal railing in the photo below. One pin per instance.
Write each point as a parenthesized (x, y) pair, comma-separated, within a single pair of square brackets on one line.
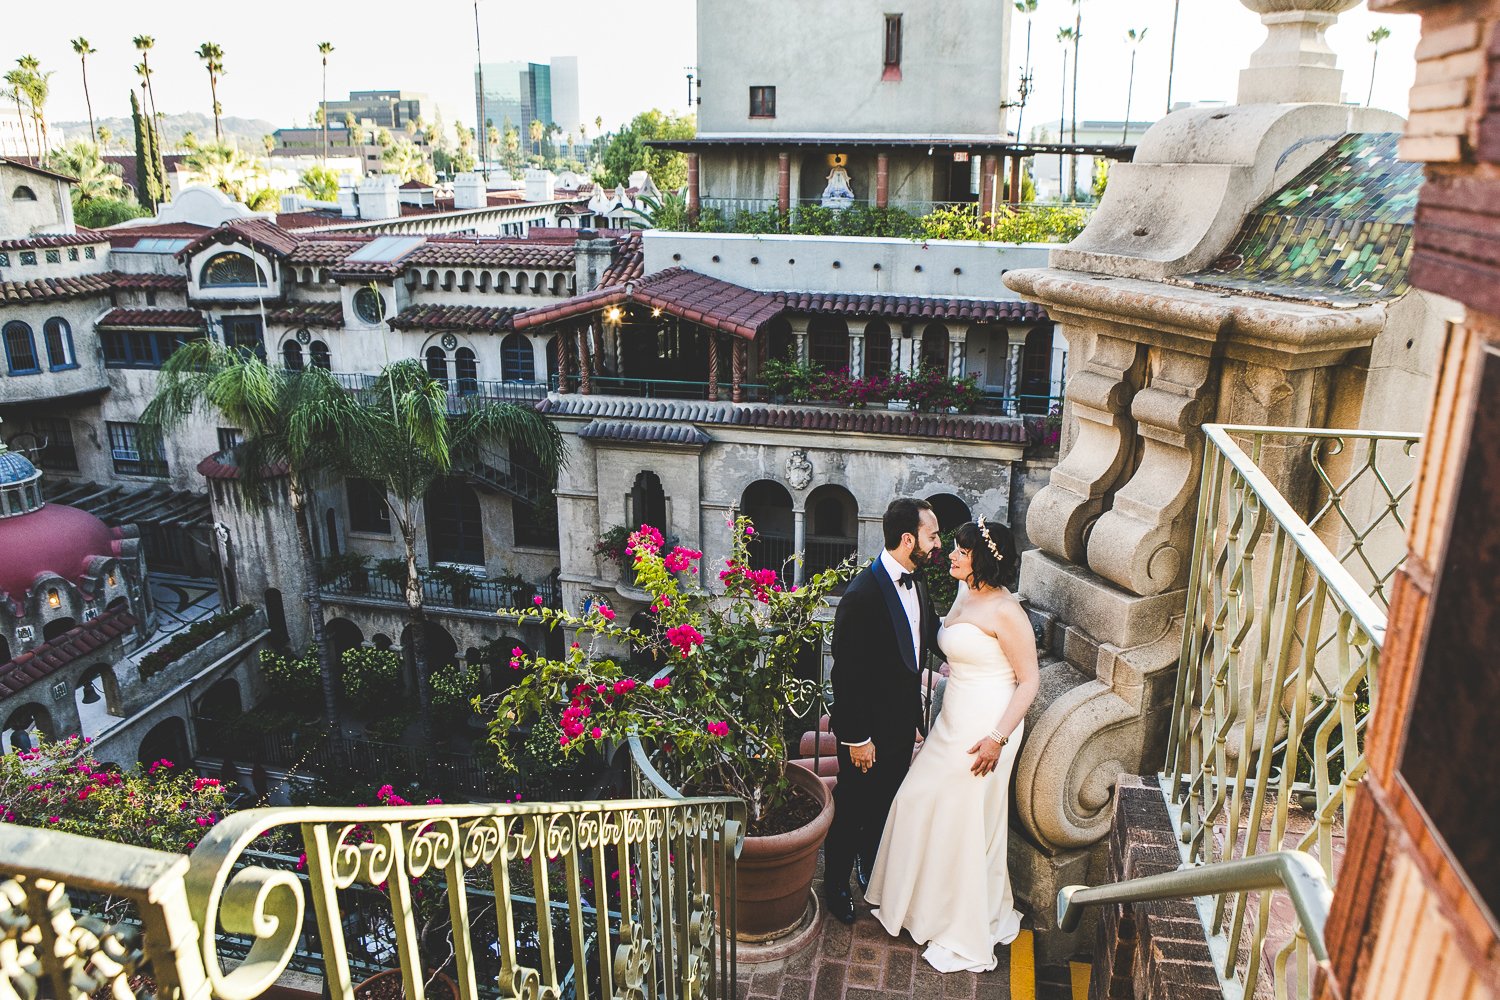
[(1298, 534)]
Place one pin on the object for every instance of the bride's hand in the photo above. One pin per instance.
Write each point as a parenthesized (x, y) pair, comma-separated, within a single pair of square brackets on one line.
[(987, 755)]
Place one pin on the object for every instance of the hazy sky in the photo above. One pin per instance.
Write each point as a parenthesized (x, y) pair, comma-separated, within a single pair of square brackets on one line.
[(631, 56)]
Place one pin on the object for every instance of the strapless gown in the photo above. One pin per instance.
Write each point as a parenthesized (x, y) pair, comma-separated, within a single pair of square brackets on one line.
[(941, 872)]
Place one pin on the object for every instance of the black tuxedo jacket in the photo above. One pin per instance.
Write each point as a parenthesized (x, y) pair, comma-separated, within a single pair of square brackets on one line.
[(876, 673)]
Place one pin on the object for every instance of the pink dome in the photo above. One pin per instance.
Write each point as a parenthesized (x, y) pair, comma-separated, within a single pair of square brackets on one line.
[(54, 539)]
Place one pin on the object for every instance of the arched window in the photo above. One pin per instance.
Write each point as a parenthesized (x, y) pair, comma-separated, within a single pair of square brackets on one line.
[(516, 363), (878, 348), (769, 505), (23, 193), (466, 370), (437, 364), (59, 339), (833, 518), (950, 511), (828, 343), (20, 349), (229, 269), (455, 527), (935, 347), (291, 356), (778, 340), (317, 353), (648, 502)]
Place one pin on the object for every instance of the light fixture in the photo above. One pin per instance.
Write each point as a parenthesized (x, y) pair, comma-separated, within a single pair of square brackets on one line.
[(656, 311), (54, 599), (110, 578), (613, 314)]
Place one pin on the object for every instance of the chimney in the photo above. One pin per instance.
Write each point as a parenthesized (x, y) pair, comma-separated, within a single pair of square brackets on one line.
[(469, 191), (378, 198), (592, 257), (348, 196), (540, 185)]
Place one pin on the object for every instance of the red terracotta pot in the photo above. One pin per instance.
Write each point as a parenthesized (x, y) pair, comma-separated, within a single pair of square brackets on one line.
[(775, 874)]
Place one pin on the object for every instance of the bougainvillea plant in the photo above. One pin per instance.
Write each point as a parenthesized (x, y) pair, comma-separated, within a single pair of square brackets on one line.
[(719, 713)]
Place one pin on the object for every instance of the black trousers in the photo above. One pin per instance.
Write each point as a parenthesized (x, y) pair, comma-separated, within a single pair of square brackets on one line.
[(861, 802)]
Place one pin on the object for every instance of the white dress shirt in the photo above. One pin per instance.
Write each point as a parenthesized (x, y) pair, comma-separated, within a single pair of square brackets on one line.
[(909, 604)]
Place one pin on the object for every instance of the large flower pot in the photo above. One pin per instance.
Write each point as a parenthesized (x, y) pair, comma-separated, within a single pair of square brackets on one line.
[(775, 874), (389, 985)]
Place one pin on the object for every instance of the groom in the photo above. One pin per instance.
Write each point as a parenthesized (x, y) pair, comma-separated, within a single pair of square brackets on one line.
[(882, 631)]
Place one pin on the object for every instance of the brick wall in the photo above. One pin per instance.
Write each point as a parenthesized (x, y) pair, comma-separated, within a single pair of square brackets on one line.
[(1148, 950)]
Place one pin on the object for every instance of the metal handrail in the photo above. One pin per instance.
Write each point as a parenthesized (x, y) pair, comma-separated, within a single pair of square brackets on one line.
[(1298, 872)]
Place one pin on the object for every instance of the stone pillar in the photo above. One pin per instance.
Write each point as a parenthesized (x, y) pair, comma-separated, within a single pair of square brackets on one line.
[(799, 337), (783, 182), (584, 364), (693, 200), (1015, 180), (1294, 65), (882, 179), (987, 165), (1015, 346), (596, 331), (713, 367), (799, 542), (741, 352), (563, 337), (957, 352), (856, 354)]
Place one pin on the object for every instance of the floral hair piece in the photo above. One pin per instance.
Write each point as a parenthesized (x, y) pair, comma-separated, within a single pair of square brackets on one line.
[(990, 542)]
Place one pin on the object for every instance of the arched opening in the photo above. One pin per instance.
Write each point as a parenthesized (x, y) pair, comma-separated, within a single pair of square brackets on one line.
[(878, 348), (26, 727), (455, 525), (437, 364), (341, 635), (59, 339), (318, 353), (769, 505), (832, 529), (20, 349), (776, 341), (950, 511), (1036, 370), (648, 502), (466, 370), (221, 702), (559, 284), (22, 193), (442, 651), (276, 618), (291, 356), (646, 658), (57, 627), (828, 343), (229, 269), (551, 355), (494, 658), (4, 649), (331, 522), (167, 741), (517, 363), (97, 699), (935, 347), (380, 640)]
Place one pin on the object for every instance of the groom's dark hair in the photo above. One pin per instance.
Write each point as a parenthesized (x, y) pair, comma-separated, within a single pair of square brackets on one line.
[(903, 516)]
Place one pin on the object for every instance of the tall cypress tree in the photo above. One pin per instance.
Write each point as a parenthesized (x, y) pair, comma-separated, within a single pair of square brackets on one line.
[(147, 188), (158, 161)]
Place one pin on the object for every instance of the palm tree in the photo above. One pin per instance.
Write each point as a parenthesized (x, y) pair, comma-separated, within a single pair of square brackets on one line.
[(105, 137), (1073, 132), (15, 79), (37, 86), (1134, 37), (96, 178), (213, 61), (299, 421), (1026, 8), (1375, 37), (144, 44), (536, 131), (407, 442), (1064, 38), (224, 166), (323, 49), (82, 47)]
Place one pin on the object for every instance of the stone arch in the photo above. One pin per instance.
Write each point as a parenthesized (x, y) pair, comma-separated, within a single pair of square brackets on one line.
[(502, 281), (832, 527), (878, 345), (167, 740), (769, 505), (291, 355), (560, 283), (221, 702), (522, 283), (435, 360), (828, 342), (26, 726), (276, 617), (538, 283), (466, 371), (466, 280), (231, 268), (99, 689), (950, 509), (648, 502), (517, 359), (935, 347), (319, 356), (381, 641), (449, 279), (342, 634), (485, 279), (58, 626)]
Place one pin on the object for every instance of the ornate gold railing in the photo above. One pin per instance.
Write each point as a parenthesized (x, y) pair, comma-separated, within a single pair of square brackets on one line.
[(608, 899), (1298, 534)]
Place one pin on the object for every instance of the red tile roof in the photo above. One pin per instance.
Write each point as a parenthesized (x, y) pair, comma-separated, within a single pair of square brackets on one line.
[(216, 467), (51, 656), (125, 235), (630, 261), (264, 236), (489, 252), (914, 307), (685, 294), (46, 240), (155, 282), (151, 319), (329, 315), (325, 248), (54, 289), (436, 317)]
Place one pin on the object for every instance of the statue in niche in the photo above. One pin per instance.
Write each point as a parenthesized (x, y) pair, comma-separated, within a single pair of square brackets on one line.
[(799, 470), (839, 193)]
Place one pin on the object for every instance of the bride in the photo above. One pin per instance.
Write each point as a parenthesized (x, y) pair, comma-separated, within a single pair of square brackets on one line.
[(940, 872)]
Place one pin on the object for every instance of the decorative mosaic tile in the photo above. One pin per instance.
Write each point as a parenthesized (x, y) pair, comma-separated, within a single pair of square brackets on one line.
[(1340, 232)]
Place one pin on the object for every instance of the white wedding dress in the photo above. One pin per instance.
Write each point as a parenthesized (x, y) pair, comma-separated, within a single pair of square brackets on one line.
[(940, 872)]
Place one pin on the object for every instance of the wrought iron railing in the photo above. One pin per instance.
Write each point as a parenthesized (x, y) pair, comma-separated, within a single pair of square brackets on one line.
[(659, 388), (480, 595), (1297, 535), (462, 392), (496, 900)]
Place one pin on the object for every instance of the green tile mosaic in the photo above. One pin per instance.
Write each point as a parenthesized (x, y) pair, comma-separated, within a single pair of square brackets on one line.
[(1340, 232)]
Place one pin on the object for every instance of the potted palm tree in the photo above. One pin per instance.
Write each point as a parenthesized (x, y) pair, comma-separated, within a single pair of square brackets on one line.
[(716, 718)]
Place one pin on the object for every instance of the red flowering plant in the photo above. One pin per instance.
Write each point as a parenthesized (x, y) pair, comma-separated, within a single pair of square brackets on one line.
[(717, 714)]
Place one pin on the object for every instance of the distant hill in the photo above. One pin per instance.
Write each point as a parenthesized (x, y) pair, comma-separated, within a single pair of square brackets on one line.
[(246, 133)]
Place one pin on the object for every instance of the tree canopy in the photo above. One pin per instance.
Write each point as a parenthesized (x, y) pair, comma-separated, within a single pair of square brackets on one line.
[(628, 153)]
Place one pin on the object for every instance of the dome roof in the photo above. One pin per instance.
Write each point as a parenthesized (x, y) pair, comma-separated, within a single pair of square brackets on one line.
[(14, 468), (51, 539)]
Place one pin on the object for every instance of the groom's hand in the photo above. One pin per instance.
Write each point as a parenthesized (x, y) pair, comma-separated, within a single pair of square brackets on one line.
[(863, 755)]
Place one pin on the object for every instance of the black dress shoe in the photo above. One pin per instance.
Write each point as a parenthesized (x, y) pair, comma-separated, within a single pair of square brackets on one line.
[(840, 905), (862, 874)]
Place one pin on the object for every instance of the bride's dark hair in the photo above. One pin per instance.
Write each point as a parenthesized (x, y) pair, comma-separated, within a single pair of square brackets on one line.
[(995, 563)]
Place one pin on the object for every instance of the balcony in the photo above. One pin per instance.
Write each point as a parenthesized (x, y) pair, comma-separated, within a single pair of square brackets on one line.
[(1298, 535), (482, 596), (615, 898), (916, 220)]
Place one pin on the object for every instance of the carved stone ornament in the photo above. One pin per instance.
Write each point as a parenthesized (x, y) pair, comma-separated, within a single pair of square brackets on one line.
[(799, 471)]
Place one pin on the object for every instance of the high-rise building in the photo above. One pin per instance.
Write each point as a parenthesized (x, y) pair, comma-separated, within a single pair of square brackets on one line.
[(389, 108), (565, 106), (527, 91)]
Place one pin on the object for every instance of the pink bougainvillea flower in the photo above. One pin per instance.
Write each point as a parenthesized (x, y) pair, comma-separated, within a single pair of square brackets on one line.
[(718, 728), (537, 600), (661, 682), (607, 612), (596, 733)]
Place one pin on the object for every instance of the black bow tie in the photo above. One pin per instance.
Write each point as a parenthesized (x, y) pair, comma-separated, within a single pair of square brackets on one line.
[(906, 579)]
